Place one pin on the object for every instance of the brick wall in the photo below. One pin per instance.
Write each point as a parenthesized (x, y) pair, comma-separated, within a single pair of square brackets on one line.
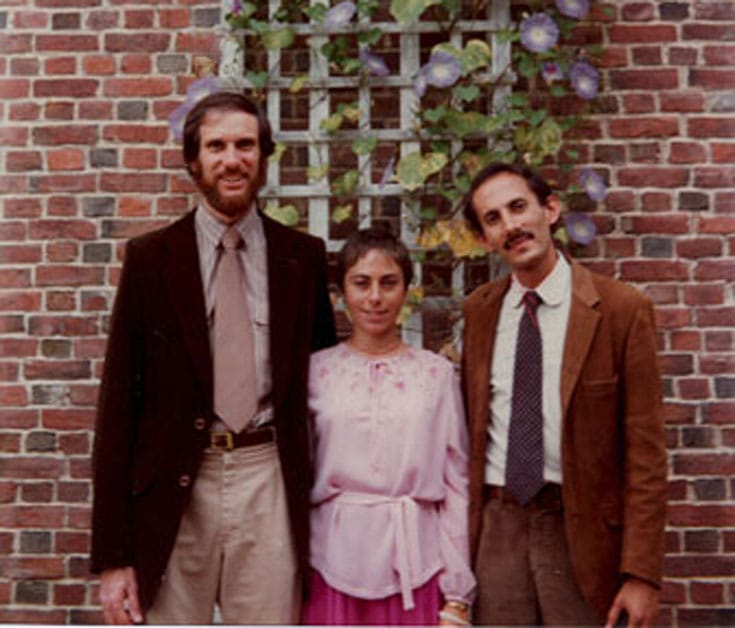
[(86, 162)]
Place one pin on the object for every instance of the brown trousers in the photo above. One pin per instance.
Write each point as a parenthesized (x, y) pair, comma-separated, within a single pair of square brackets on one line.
[(233, 548), (523, 572)]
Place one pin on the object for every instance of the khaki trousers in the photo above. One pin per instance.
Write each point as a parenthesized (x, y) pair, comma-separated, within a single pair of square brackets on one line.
[(524, 576), (234, 547)]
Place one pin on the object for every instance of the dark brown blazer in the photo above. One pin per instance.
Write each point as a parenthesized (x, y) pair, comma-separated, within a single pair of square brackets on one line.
[(613, 448), (155, 405)]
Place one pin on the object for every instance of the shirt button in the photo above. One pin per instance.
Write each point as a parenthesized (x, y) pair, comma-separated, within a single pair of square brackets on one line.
[(184, 480), (200, 423)]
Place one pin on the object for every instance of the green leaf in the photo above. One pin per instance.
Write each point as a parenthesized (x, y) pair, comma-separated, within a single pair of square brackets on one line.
[(364, 145), (476, 54), (432, 163), (350, 111), (278, 38), (346, 183), (317, 173), (248, 9), (467, 93), (342, 213), (558, 90), (465, 123), (332, 123), (258, 79), (518, 100), (278, 151), (285, 214), (435, 115), (447, 47), (407, 11), (298, 83), (408, 171), (316, 12), (537, 117), (370, 37), (508, 36), (350, 66)]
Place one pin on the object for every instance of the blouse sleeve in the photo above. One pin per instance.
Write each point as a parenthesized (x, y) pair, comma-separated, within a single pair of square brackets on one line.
[(456, 580)]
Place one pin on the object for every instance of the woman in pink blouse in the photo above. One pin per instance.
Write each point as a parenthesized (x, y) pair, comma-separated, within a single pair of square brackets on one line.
[(389, 503)]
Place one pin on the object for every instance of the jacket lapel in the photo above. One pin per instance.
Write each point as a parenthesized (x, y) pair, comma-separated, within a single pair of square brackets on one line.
[(583, 321), (183, 278)]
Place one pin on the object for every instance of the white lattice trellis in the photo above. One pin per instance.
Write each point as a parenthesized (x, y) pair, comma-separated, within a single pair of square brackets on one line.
[(321, 83)]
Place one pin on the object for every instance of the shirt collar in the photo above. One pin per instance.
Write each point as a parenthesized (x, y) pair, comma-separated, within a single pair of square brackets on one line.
[(552, 290), (213, 229)]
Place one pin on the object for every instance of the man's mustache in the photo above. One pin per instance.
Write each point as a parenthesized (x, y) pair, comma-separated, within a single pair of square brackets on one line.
[(512, 238)]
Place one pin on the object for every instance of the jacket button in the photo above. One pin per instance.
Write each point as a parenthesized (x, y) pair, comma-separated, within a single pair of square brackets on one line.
[(200, 423), (184, 480)]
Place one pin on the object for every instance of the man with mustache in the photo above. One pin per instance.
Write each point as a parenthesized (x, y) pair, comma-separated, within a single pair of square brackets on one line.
[(567, 455), (201, 459)]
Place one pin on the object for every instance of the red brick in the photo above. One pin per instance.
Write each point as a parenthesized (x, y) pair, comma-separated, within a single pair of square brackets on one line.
[(23, 160), (74, 444), (719, 224), (57, 369), (71, 542), (647, 55), (22, 467), (134, 206), (60, 65), (654, 270), (57, 229), (95, 110), (662, 294), (711, 127), (137, 42), (714, 32), (725, 202), (644, 127), (173, 18), (704, 294), (139, 19), (678, 364), (136, 64), (24, 111), (13, 136), (639, 103), (21, 254), (630, 33), (699, 247), (116, 182), (56, 110), (644, 79), (707, 593), (719, 340), (656, 202), (103, 20), (719, 55), (58, 275), (66, 43), (83, 395), (69, 594), (703, 464), (714, 10), (61, 252), (679, 55), (723, 153), (15, 44), (684, 102), (687, 153), (716, 317), (694, 388), (712, 270), (19, 419), (686, 340), (68, 419), (89, 347), (14, 278), (70, 159), (712, 79), (99, 64), (658, 224), (46, 325), (135, 133), (619, 247), (60, 301), (23, 568), (72, 88), (65, 134), (14, 88), (654, 177), (203, 42), (151, 87), (717, 364)]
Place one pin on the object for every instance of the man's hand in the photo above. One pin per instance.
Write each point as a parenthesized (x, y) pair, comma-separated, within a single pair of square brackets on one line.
[(639, 599), (119, 596)]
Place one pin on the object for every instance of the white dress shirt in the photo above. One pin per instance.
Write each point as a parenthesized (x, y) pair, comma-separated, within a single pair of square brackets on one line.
[(553, 316), (253, 257)]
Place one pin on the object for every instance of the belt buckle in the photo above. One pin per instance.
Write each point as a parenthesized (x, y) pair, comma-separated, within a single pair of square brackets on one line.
[(222, 441)]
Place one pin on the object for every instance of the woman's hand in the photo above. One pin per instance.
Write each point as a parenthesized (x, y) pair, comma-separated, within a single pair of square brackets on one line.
[(454, 613)]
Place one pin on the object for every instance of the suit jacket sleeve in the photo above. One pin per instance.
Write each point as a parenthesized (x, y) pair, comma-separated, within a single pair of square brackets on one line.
[(323, 334), (118, 407), (645, 491)]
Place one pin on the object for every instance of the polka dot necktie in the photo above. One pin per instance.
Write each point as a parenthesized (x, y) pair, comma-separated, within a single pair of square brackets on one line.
[(524, 467)]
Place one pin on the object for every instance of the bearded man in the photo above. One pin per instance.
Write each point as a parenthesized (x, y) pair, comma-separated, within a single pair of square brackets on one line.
[(201, 464)]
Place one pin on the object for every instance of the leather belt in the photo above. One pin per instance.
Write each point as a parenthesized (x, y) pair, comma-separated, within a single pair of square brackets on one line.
[(227, 441), (548, 498)]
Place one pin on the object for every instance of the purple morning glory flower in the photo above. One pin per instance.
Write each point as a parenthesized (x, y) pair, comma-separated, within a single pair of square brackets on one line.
[(551, 72), (593, 184), (236, 6), (340, 14), (539, 32), (580, 227), (387, 173), (442, 70), (585, 79), (573, 8), (202, 87), (375, 64)]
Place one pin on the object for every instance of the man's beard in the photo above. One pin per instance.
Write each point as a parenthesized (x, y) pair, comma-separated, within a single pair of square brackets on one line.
[(228, 206)]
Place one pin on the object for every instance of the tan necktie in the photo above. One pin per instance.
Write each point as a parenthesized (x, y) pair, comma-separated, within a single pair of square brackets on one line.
[(235, 397)]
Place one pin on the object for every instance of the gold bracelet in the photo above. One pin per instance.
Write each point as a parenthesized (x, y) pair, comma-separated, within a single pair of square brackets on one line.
[(462, 607)]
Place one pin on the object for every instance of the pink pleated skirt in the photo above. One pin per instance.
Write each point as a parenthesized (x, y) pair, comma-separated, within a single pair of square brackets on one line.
[(327, 606)]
